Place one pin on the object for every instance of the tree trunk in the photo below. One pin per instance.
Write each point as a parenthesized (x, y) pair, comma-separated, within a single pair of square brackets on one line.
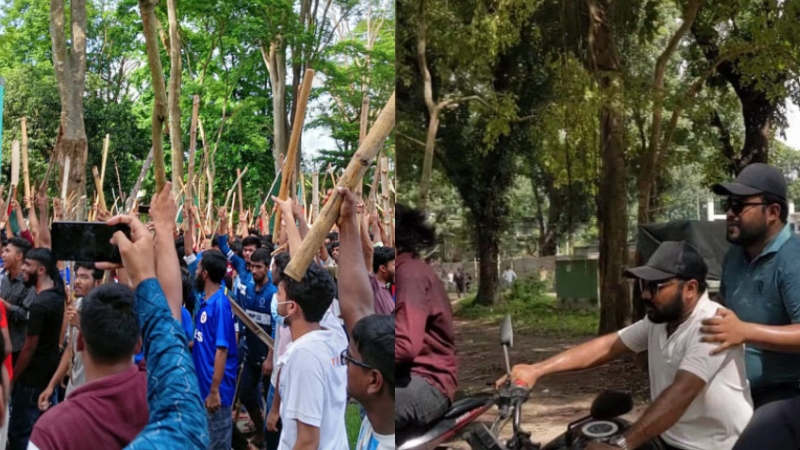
[(147, 8), (275, 60), (71, 76), (649, 161), (612, 205), (427, 165), (488, 239), (175, 134)]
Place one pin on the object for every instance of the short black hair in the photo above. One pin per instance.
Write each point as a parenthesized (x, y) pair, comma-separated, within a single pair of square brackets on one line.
[(253, 232), (413, 233), (179, 242), (314, 293), (333, 236), (215, 263), (215, 241), (260, 255), (109, 325), (374, 338), (702, 285), (44, 257), (97, 274), (281, 260), (189, 299), (381, 257), (22, 245), (253, 241), (771, 199)]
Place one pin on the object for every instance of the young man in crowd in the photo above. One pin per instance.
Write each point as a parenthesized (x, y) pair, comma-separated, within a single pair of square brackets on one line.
[(256, 302), (16, 297), (370, 355), (87, 278), (39, 358), (215, 350), (111, 408), (381, 277)]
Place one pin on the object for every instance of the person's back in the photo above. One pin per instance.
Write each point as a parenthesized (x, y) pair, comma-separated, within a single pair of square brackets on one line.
[(111, 408), (425, 358)]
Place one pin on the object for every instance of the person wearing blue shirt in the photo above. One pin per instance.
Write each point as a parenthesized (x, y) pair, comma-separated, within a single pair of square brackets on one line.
[(215, 352), (256, 301), (761, 289)]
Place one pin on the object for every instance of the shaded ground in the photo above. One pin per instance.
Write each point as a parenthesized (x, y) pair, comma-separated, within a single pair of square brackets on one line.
[(557, 400)]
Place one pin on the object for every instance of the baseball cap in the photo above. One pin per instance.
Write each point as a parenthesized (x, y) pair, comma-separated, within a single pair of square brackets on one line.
[(672, 259), (755, 179)]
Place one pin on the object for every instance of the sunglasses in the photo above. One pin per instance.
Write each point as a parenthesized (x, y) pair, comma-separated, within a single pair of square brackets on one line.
[(737, 206), (347, 359), (653, 288)]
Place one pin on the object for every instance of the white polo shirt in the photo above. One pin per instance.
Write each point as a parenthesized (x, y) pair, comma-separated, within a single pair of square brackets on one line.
[(719, 414)]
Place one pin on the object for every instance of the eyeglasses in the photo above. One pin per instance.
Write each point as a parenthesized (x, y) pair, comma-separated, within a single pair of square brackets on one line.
[(737, 206), (347, 359), (653, 288)]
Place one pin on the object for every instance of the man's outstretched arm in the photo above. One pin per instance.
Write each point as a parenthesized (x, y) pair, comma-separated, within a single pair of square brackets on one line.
[(666, 410)]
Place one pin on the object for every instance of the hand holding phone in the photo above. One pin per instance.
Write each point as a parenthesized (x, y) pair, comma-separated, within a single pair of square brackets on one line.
[(86, 241)]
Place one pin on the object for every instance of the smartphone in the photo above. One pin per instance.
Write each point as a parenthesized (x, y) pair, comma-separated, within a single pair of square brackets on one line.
[(144, 209), (86, 241)]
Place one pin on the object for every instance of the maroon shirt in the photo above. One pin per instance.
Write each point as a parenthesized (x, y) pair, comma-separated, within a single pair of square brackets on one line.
[(424, 325), (107, 413)]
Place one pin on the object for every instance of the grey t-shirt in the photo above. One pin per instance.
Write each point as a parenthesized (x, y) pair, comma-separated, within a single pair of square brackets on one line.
[(78, 377)]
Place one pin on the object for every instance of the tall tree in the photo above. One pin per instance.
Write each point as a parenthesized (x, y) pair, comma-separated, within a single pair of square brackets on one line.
[(176, 137), (70, 69)]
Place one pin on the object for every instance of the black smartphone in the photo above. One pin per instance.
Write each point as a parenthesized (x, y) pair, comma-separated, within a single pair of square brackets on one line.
[(144, 209), (86, 241)]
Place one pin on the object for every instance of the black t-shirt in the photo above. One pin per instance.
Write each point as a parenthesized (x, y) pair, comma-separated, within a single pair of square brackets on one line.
[(46, 317)]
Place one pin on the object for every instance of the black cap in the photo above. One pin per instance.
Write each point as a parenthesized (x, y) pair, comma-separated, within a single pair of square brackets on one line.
[(672, 259), (755, 179)]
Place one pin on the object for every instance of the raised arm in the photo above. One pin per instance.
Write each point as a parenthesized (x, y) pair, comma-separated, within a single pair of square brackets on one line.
[(163, 210), (356, 299), (222, 240), (45, 240), (297, 212), (291, 229), (367, 247)]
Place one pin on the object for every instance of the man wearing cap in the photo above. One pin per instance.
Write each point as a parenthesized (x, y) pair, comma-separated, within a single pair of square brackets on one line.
[(699, 401), (760, 284)]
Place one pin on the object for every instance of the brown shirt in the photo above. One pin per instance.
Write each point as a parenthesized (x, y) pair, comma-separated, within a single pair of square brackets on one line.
[(424, 341)]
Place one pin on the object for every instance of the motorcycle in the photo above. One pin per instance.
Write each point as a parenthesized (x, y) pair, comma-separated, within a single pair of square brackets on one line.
[(461, 422)]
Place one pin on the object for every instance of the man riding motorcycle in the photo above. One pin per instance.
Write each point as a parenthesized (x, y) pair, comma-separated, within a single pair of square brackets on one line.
[(699, 401), (425, 361)]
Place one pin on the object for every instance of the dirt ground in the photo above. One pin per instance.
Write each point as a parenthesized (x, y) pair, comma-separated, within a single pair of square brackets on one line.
[(556, 400)]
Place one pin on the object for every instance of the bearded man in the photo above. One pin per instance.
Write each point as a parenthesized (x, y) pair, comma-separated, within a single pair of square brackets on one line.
[(700, 401)]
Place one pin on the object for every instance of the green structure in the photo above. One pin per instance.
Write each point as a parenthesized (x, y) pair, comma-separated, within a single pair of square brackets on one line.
[(577, 281)]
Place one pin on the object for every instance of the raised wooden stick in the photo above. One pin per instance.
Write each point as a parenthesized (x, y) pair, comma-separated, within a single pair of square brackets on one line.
[(129, 203), (314, 196), (294, 141), (387, 206), (358, 165), (25, 161), (280, 172), (192, 150), (98, 184), (241, 197), (106, 143)]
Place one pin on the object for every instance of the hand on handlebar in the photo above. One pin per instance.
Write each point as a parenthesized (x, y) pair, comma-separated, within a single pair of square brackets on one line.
[(522, 374)]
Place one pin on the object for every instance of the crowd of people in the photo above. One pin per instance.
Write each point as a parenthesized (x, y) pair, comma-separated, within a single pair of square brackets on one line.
[(724, 374), (150, 354)]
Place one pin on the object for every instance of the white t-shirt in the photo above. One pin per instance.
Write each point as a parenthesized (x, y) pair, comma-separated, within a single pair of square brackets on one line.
[(313, 388), (509, 276), (718, 415), (369, 440), (78, 377)]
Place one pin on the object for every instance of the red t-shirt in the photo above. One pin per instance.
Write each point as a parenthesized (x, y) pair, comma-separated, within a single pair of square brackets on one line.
[(4, 324), (104, 414)]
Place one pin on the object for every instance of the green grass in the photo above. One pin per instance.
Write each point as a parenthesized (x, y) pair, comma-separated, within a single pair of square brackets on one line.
[(353, 420), (531, 308)]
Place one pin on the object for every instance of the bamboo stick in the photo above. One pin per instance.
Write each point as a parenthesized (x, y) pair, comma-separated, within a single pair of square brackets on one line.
[(98, 184), (387, 207), (14, 167), (106, 144), (280, 172), (241, 197), (294, 141), (25, 162), (129, 203), (358, 165), (314, 196), (192, 150)]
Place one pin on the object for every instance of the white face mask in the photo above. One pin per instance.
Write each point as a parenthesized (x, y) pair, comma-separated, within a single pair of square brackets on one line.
[(279, 319)]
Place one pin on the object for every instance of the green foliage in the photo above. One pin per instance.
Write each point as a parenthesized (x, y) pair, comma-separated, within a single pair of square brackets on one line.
[(531, 308)]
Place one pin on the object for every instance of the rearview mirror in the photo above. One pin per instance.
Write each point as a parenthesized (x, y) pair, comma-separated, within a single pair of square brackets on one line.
[(507, 332)]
